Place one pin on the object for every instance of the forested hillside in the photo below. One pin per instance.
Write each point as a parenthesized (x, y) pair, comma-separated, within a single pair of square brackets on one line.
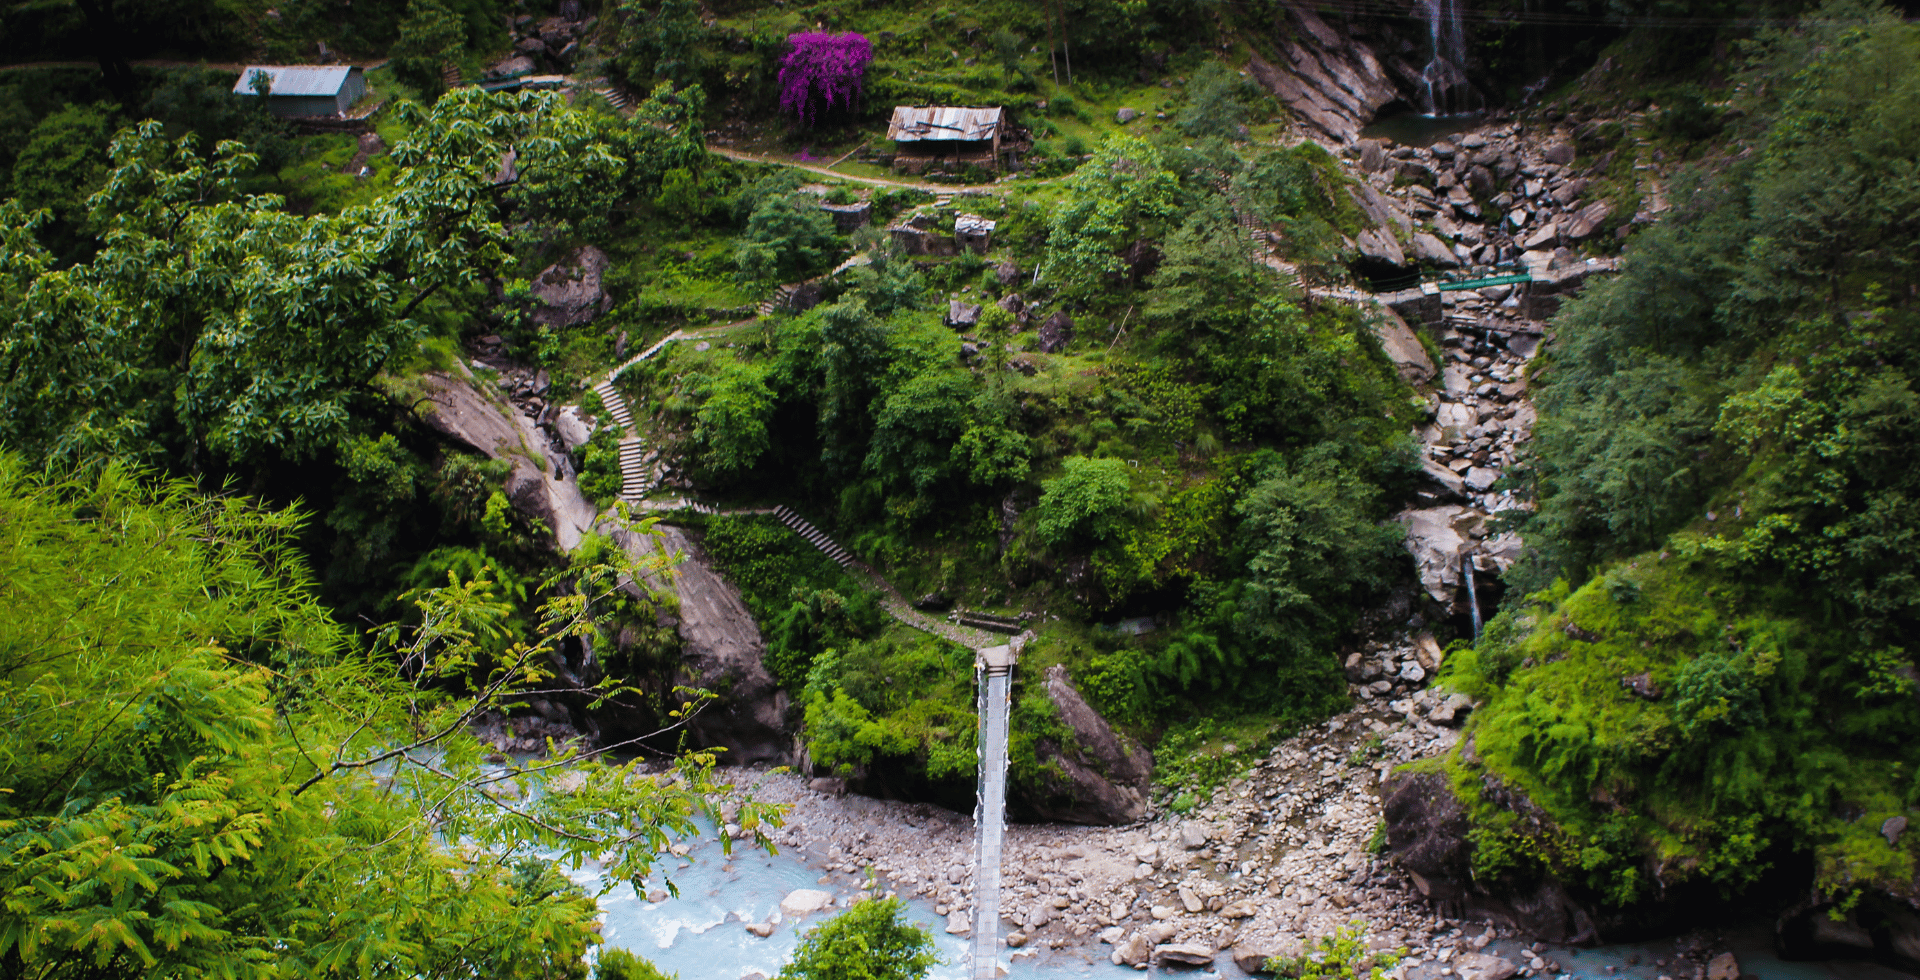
[(1703, 683)]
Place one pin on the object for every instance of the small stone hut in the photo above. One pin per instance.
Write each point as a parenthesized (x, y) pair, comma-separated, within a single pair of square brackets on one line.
[(306, 91), (937, 137)]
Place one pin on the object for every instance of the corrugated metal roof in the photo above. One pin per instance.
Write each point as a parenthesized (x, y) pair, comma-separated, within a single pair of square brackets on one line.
[(296, 79), (912, 124), (972, 224)]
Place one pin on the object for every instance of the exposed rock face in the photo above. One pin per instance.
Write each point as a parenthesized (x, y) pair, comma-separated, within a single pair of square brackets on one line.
[(541, 484), (722, 651), (1437, 537), (1427, 830), (1332, 83), (1106, 776), (570, 291), (1401, 346)]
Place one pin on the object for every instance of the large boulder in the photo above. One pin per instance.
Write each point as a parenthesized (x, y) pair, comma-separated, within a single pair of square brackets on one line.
[(540, 483), (1103, 776), (1402, 347), (570, 292), (721, 650), (1437, 537)]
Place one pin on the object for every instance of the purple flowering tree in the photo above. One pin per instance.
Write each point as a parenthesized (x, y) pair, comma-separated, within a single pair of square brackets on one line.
[(823, 71)]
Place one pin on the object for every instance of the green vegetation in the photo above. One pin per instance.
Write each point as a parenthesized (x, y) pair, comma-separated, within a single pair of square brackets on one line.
[(1707, 659), (870, 941), (1341, 956), (205, 774)]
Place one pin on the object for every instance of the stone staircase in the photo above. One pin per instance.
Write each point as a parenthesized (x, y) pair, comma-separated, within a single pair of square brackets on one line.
[(450, 74), (813, 535), (636, 478), (779, 298)]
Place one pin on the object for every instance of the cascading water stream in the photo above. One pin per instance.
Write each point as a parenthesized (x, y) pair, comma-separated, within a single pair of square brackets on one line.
[(1444, 88)]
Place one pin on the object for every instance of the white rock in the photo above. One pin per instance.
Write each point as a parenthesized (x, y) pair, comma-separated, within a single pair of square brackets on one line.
[(804, 900)]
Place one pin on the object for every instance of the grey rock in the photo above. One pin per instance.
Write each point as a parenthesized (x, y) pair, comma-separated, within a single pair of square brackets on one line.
[(1007, 272), (1436, 537), (1892, 829), (1442, 150), (1253, 957), (1401, 346), (573, 428), (962, 314), (1427, 248), (1125, 115), (1380, 245), (830, 785), (1195, 834), (1452, 711), (1135, 952), (1587, 221), (570, 292), (1481, 966), (1559, 153), (721, 649), (1056, 333), (849, 217), (959, 923), (1723, 967), (1480, 479), (539, 484), (1185, 954)]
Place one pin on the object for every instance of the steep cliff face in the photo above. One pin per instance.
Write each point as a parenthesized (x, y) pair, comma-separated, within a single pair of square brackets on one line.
[(1333, 82), (722, 651)]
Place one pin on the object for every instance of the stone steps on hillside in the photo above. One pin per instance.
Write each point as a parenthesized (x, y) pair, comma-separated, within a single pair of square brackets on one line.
[(813, 535)]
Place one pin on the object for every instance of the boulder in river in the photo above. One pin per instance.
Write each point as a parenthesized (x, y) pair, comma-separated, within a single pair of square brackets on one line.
[(802, 901)]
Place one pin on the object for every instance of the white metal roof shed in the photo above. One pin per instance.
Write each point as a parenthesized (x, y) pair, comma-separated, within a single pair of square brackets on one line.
[(297, 91), (912, 124), (296, 80)]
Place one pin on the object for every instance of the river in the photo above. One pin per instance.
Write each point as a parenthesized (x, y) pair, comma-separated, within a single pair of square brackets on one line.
[(702, 934)]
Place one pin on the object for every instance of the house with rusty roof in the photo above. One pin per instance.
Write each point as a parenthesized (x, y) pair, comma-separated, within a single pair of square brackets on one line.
[(941, 137), (304, 91)]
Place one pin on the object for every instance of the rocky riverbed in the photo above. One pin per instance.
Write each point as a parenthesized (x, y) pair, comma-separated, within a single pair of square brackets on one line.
[(1283, 853)]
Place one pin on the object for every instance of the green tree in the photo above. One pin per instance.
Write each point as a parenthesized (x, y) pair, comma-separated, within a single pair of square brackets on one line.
[(212, 323), (618, 964), (204, 776), (1219, 102), (786, 237), (1315, 552), (63, 162), (659, 44), (731, 422), (871, 941), (1123, 194), (430, 37), (1084, 502)]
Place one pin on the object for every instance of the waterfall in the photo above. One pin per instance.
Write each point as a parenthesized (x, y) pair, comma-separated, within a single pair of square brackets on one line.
[(1473, 594), (1444, 88)]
